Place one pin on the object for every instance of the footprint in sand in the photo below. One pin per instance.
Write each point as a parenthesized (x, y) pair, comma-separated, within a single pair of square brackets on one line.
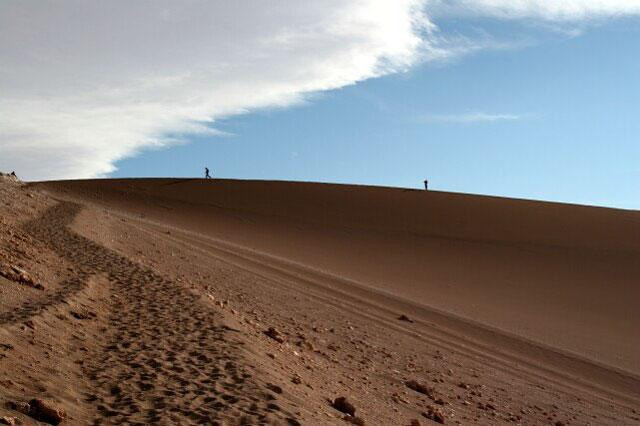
[(167, 359)]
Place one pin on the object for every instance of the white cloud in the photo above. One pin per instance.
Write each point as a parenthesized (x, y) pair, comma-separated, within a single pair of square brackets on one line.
[(550, 10), (469, 118), (85, 83)]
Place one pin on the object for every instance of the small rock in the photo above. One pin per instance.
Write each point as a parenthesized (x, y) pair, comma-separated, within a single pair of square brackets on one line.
[(20, 407), (433, 414), (6, 420), (19, 275), (405, 318), (414, 422), (82, 315), (296, 380), (46, 411), (275, 335), (343, 405), (419, 387), (274, 388), (18, 270)]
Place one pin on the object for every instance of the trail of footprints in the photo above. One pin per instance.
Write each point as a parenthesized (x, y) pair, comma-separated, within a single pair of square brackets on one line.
[(167, 361)]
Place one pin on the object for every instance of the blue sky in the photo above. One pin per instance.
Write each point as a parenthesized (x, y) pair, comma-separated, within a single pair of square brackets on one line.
[(517, 98), (555, 117)]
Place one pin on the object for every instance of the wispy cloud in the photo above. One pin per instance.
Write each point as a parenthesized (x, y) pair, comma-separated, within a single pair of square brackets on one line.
[(443, 48), (569, 18), (564, 10), (470, 118)]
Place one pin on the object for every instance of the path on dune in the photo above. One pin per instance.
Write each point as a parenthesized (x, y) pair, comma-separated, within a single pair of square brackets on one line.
[(167, 358)]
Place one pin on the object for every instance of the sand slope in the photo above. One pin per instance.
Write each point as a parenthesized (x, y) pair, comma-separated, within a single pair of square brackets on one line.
[(131, 346), (158, 294), (562, 275)]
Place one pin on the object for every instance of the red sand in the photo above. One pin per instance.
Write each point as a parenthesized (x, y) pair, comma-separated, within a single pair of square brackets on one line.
[(562, 275), (536, 302)]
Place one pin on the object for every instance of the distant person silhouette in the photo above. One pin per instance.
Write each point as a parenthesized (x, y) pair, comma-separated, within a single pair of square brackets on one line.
[(206, 173), (426, 185)]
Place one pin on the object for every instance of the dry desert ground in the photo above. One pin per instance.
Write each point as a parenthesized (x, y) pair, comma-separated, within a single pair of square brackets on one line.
[(189, 301)]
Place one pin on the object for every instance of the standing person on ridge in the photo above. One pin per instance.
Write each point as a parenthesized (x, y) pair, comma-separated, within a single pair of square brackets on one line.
[(426, 185), (206, 173)]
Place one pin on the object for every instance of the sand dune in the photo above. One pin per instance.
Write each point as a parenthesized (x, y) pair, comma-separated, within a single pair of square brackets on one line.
[(562, 275), (512, 311)]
